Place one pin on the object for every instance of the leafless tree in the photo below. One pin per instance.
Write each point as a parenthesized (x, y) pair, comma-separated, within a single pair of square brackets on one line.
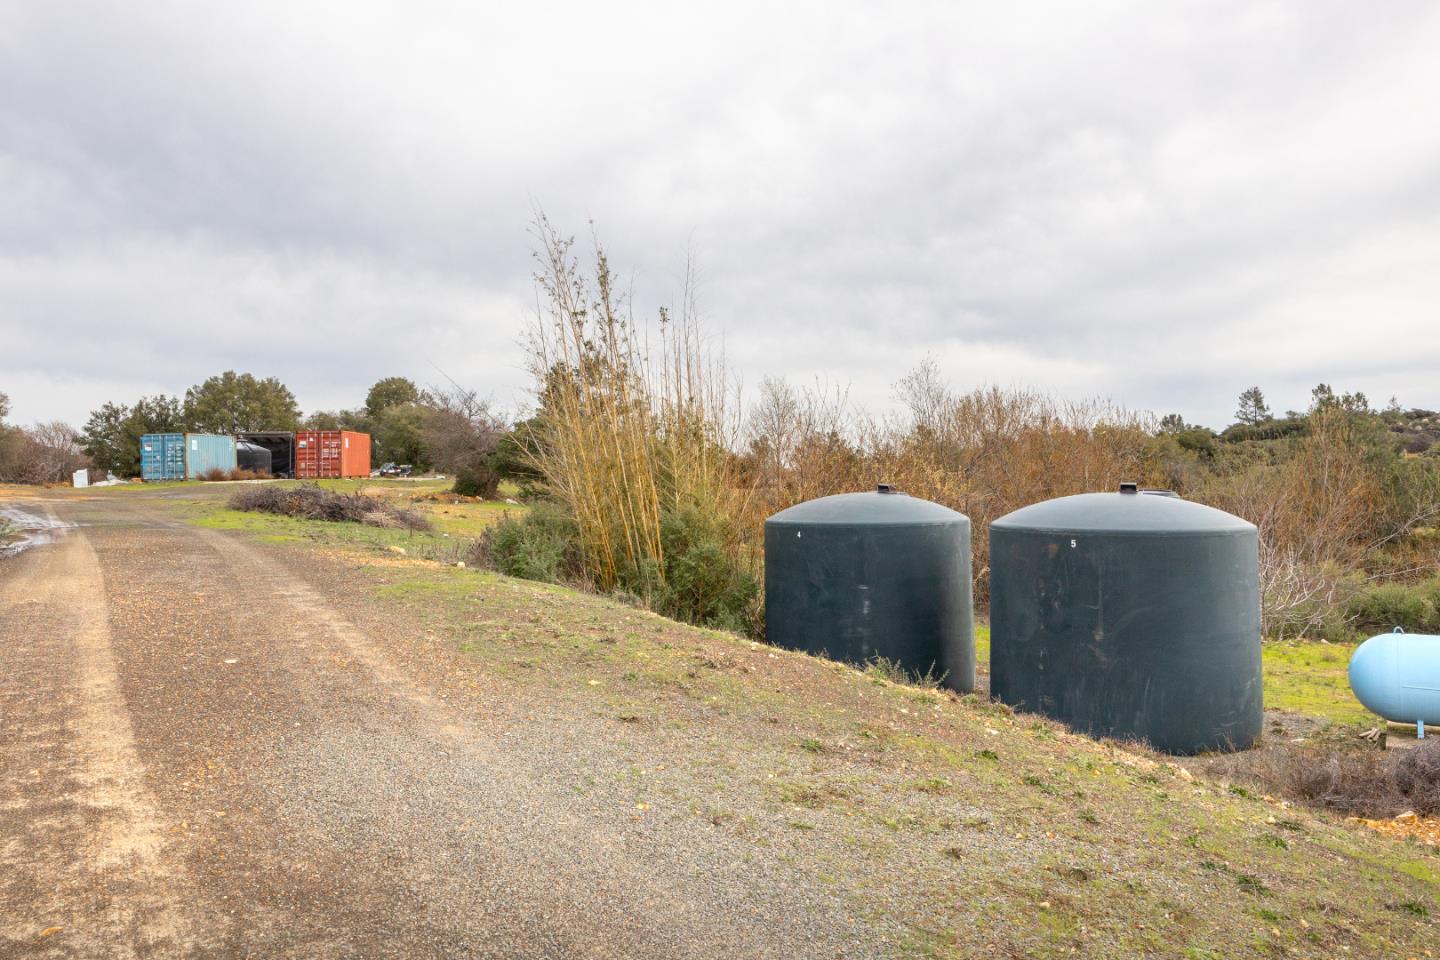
[(461, 433), (44, 453)]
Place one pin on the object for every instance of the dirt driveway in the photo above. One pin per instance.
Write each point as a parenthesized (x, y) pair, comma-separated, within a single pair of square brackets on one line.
[(202, 756)]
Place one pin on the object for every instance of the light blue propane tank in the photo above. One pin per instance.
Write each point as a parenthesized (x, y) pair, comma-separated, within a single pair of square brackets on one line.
[(1397, 675)]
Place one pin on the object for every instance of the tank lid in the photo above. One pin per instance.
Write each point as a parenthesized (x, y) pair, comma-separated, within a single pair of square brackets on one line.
[(1123, 512), (884, 505)]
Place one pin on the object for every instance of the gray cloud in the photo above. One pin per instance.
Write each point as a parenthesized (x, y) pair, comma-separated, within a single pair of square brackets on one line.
[(1159, 205)]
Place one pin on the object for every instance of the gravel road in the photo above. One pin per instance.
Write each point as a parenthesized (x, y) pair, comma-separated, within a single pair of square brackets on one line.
[(201, 755)]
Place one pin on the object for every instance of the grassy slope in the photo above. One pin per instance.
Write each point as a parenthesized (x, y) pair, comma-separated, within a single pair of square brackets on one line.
[(965, 826)]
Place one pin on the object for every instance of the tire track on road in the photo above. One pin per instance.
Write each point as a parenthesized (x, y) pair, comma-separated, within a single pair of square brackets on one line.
[(83, 845)]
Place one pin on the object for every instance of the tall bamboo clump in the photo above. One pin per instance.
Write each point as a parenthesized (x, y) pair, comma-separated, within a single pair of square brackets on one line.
[(628, 437)]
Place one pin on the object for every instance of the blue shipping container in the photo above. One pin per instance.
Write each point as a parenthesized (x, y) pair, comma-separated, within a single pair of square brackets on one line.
[(184, 456), (207, 451), (162, 456)]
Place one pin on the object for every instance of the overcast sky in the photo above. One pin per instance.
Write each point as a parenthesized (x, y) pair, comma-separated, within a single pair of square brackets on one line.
[(1159, 203)]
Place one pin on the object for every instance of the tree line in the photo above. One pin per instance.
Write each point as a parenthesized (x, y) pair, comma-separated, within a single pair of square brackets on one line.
[(226, 404), (450, 429)]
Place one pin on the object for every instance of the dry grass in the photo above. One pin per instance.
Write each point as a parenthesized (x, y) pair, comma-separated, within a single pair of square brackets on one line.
[(984, 453), (1359, 782), (216, 475)]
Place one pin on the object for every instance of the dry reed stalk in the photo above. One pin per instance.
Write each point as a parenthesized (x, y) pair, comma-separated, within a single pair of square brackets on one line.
[(626, 435)]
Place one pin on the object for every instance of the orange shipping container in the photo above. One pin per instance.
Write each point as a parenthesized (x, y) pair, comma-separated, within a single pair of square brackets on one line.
[(328, 454)]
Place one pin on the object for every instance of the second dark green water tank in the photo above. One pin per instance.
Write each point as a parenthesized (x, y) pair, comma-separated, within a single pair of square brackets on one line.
[(864, 575), (1129, 615)]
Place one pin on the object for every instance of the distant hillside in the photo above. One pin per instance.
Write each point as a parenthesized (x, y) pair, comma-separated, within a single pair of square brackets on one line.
[(1414, 431), (1417, 430)]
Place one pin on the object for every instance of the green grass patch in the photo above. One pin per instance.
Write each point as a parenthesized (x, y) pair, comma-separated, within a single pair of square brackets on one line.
[(1312, 678), (429, 544), (465, 519), (456, 585), (361, 484)]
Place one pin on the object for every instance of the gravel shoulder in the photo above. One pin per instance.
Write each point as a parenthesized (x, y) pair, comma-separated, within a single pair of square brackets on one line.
[(238, 744)]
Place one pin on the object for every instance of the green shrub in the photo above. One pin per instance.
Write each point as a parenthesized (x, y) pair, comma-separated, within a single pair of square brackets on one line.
[(514, 459), (1197, 440), (540, 544), (1267, 430), (701, 584), (1411, 606), (477, 481), (1336, 627)]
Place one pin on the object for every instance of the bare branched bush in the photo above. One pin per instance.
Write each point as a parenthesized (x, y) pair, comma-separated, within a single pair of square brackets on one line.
[(801, 444), (43, 453), (1359, 782), (991, 451), (984, 453), (311, 502), (1324, 512), (461, 434)]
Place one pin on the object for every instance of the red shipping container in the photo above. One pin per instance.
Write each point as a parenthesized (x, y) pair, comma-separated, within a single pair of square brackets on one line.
[(329, 454)]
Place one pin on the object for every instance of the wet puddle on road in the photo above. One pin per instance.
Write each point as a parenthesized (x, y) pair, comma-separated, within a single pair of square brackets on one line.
[(21, 530)]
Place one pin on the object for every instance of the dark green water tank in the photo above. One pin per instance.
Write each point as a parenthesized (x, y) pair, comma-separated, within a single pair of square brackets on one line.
[(863, 575), (1130, 615)]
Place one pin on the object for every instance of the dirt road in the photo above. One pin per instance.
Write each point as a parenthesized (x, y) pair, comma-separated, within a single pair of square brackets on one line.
[(201, 755)]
